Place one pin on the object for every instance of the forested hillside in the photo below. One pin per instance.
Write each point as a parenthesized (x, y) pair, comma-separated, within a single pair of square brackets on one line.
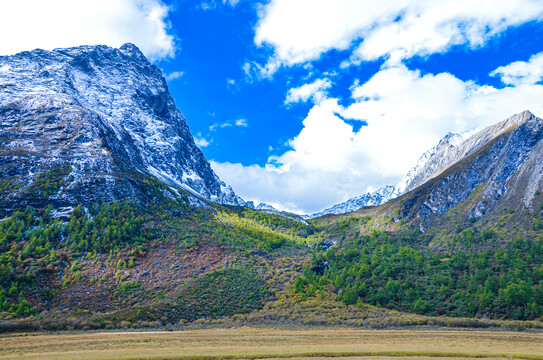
[(480, 275), (171, 264)]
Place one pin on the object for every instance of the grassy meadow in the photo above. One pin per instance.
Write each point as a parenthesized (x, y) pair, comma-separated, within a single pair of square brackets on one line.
[(251, 343)]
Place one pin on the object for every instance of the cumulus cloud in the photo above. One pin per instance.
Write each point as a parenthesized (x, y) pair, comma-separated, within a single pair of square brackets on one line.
[(31, 24), (313, 172), (399, 112), (301, 31), (521, 72), (427, 27), (282, 190), (315, 91), (404, 113)]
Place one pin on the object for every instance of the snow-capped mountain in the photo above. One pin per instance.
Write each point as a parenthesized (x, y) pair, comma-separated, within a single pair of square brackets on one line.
[(101, 112), (431, 161), (514, 152), (499, 169), (260, 206), (375, 198)]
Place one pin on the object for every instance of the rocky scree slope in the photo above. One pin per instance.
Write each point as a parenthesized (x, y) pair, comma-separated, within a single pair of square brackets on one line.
[(86, 123)]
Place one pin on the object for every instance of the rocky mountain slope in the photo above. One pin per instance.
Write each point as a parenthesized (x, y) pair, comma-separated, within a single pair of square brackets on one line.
[(495, 172), (90, 123), (502, 162), (428, 164), (453, 148), (432, 161)]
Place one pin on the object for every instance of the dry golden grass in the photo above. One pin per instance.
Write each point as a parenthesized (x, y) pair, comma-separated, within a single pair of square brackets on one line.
[(250, 343)]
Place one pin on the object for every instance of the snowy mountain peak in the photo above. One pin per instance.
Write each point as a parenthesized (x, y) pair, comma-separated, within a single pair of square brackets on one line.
[(450, 149), (131, 50), (415, 176), (428, 162), (452, 139), (101, 110), (260, 206)]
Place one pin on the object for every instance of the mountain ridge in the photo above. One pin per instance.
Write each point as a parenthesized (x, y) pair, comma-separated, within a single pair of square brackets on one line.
[(96, 127), (493, 178), (413, 178), (103, 112), (451, 149)]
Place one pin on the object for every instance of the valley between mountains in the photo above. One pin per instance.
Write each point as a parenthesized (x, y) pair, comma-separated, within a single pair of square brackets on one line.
[(112, 218)]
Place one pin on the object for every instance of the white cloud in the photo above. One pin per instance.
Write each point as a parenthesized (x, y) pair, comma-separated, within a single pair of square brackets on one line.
[(406, 113), (323, 143), (238, 122), (255, 71), (428, 27), (30, 24), (281, 190), (313, 173), (232, 86), (241, 122), (216, 126), (302, 30), (201, 142), (174, 75), (402, 112), (522, 72), (315, 91)]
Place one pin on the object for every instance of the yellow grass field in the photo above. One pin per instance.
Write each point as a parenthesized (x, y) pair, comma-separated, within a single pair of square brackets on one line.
[(251, 343)]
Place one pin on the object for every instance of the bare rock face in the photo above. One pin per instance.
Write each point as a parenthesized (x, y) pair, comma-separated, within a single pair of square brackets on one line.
[(84, 124)]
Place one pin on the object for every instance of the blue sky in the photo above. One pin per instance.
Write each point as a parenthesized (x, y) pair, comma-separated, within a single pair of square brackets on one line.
[(306, 103)]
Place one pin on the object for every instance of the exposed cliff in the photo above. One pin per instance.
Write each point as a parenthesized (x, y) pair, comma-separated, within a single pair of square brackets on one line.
[(94, 121)]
